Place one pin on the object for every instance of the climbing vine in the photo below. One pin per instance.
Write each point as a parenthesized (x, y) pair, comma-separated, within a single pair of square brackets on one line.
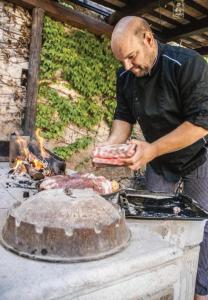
[(87, 64), (54, 115), (67, 151)]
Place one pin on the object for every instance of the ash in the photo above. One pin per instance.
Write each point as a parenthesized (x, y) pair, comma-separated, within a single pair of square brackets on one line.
[(14, 189)]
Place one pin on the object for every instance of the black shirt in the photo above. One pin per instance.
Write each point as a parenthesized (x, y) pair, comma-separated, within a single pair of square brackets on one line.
[(175, 91)]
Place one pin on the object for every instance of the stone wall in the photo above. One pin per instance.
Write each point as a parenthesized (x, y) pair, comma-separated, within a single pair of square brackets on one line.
[(15, 29)]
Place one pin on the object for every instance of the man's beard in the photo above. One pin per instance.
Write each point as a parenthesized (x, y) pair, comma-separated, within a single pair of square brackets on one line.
[(140, 71)]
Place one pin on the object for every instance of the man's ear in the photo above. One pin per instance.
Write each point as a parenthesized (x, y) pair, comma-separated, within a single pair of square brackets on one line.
[(148, 38)]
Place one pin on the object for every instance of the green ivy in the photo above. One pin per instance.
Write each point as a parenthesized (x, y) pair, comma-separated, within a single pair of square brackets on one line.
[(51, 128), (87, 64), (68, 151), (80, 113)]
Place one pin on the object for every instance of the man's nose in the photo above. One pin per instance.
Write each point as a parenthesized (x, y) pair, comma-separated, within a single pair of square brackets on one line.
[(127, 65)]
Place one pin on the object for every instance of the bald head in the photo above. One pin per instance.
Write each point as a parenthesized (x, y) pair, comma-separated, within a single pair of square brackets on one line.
[(132, 36), (130, 25)]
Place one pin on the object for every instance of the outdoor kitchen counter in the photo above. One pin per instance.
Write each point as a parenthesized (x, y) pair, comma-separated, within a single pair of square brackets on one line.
[(151, 266), (111, 278)]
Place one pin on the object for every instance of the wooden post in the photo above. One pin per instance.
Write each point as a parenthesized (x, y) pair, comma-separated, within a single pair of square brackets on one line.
[(33, 71)]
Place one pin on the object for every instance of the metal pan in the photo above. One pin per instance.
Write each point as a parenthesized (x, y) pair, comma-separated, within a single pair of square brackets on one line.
[(165, 207)]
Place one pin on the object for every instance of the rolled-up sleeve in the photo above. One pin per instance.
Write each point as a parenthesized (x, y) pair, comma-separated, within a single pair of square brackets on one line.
[(193, 83), (122, 111)]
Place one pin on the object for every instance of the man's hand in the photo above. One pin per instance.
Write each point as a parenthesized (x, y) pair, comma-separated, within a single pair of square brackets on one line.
[(184, 135), (145, 152)]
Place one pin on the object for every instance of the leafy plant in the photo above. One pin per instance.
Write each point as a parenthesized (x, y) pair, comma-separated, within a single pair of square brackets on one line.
[(87, 64), (68, 151)]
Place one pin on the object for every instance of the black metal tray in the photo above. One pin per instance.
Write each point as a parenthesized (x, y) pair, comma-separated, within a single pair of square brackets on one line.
[(160, 206)]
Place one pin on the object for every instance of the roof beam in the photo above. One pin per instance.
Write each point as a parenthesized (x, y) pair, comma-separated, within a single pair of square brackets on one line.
[(135, 8), (197, 6), (67, 15), (164, 18), (183, 31), (157, 26), (195, 42), (107, 4), (88, 6), (186, 16), (204, 36), (188, 45)]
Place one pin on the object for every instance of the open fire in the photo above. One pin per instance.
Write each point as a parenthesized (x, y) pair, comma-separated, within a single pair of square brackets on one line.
[(32, 158)]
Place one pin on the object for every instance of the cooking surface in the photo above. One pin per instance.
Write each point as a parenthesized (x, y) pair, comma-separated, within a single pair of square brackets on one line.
[(150, 206), (25, 279), (154, 246)]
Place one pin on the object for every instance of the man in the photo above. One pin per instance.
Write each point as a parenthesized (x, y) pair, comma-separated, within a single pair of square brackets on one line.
[(165, 89)]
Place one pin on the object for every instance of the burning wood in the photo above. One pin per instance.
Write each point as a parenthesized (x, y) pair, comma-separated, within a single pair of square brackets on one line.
[(34, 160), (20, 167)]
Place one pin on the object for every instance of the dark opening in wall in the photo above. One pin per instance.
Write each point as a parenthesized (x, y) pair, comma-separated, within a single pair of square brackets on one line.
[(4, 150), (24, 76)]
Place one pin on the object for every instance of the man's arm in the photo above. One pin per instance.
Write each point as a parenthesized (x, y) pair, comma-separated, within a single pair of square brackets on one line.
[(184, 135), (120, 132)]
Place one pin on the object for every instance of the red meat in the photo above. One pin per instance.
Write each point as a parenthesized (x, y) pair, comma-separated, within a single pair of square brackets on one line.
[(99, 184), (108, 161), (111, 154)]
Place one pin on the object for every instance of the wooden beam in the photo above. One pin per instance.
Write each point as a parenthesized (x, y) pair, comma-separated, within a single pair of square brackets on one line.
[(186, 44), (136, 8), (165, 18), (196, 27), (67, 15), (203, 50), (197, 6), (88, 7), (194, 42), (156, 25), (186, 16), (107, 4), (204, 36), (33, 71)]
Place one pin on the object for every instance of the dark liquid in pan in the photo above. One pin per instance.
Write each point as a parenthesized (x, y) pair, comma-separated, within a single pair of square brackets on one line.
[(178, 207)]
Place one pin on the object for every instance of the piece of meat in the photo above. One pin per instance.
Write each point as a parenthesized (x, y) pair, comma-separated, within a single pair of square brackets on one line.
[(115, 151), (112, 154), (99, 184), (108, 161)]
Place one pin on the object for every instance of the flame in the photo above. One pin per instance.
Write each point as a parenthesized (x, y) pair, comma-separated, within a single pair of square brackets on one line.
[(40, 142), (38, 164), (19, 166), (18, 162), (23, 147), (27, 160)]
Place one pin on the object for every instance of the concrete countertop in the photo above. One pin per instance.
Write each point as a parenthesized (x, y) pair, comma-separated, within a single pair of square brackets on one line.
[(25, 279), (21, 278)]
